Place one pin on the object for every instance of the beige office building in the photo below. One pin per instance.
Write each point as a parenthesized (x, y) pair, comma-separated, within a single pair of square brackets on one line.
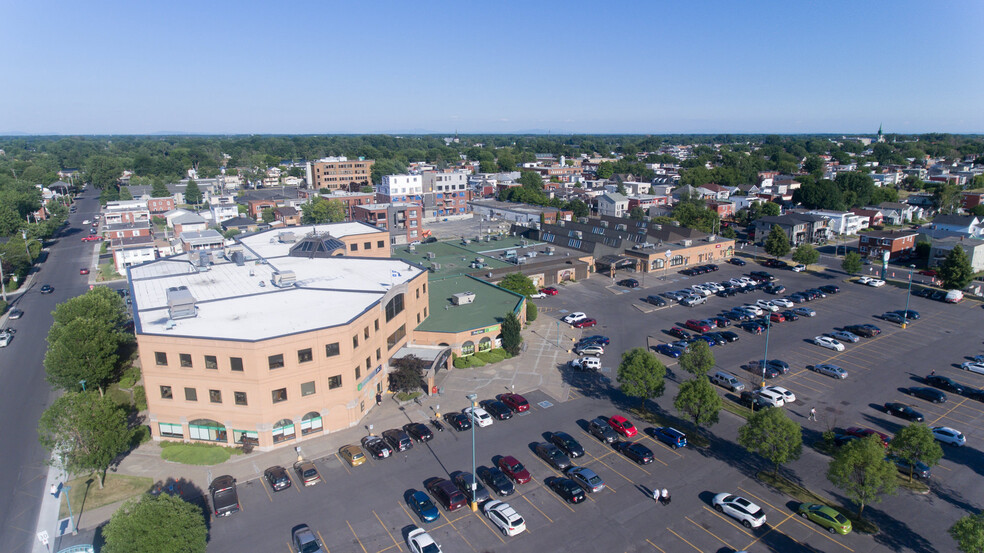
[(340, 173)]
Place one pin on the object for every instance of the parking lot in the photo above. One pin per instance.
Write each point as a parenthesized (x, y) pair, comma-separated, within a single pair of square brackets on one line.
[(361, 509)]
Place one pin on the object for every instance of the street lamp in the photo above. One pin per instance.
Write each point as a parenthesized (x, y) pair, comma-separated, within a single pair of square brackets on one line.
[(765, 360), (82, 382), (908, 293), (71, 519), (27, 248), (3, 287), (474, 503)]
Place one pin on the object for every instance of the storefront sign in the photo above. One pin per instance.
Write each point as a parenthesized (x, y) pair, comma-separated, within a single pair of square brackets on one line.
[(485, 330), (369, 377)]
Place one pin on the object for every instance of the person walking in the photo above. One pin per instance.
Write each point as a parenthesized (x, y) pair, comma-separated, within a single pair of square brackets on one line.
[(54, 491), (655, 494), (664, 497), (813, 414), (932, 372)]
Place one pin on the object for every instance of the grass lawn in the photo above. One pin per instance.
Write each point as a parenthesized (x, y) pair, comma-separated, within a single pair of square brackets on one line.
[(107, 271), (799, 493), (732, 407), (694, 438), (117, 488), (196, 454)]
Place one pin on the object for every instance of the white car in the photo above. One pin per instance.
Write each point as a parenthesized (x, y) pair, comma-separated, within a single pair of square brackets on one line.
[(864, 280), (537, 295), (737, 282), (479, 416), (764, 304), (844, 336), (829, 343), (592, 349), (86, 222), (714, 286), (787, 396), (586, 364), (799, 268), (876, 282), (830, 370), (948, 435), (754, 309), (702, 290), (740, 509), (973, 366), (773, 398), (419, 541), (505, 517), (5, 338), (782, 302), (574, 317)]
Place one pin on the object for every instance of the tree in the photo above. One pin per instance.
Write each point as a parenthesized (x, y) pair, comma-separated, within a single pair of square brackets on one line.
[(605, 170), (771, 209), (698, 400), (969, 533), (955, 271), (773, 435), (193, 194), (777, 242), (85, 431), (531, 180), (519, 283), (729, 232), (101, 303), (159, 190), (531, 311), (408, 374), (641, 374), (511, 338), (861, 470), (698, 360), (637, 213), (578, 207), (852, 263), (694, 215), (125, 193), (322, 210), (149, 524), (822, 194), (267, 215), (84, 349), (977, 210), (856, 187), (806, 254), (915, 444)]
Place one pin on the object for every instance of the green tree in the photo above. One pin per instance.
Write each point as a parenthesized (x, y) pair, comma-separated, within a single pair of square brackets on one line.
[(777, 242), (637, 213), (698, 400), (159, 190), (267, 215), (531, 311), (322, 211), (915, 444), (407, 374), (729, 232), (578, 207), (103, 171), (806, 254), (773, 435), (150, 524), (531, 180), (85, 349), (511, 338), (771, 209), (605, 170), (861, 470), (969, 533), (822, 194), (641, 375), (852, 263), (696, 216), (125, 193), (977, 210), (193, 194), (101, 303), (519, 283), (699, 360), (955, 271), (86, 432), (856, 187)]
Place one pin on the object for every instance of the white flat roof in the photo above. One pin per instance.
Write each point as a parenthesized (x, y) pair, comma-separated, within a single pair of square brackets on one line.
[(267, 244)]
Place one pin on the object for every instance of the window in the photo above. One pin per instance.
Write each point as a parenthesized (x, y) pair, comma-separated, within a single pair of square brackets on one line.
[(169, 430), (191, 394), (276, 361), (166, 392), (367, 246), (358, 372), (396, 336), (365, 333), (161, 358), (368, 364), (211, 362), (418, 318), (425, 312), (208, 430), (425, 287), (239, 397), (355, 341), (279, 395), (353, 247), (304, 355), (311, 423), (307, 389), (331, 350), (376, 325), (283, 431), (185, 360), (380, 244), (394, 307), (379, 354), (334, 382), (236, 363), (215, 396), (418, 293)]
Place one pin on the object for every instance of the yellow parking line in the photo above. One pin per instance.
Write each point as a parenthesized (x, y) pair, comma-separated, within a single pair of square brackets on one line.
[(718, 538), (662, 445), (356, 537), (627, 479), (654, 545), (685, 541), (396, 543), (339, 457), (289, 548), (462, 535), (538, 509), (948, 412), (729, 521), (497, 534), (265, 488), (385, 549), (322, 541), (774, 528)]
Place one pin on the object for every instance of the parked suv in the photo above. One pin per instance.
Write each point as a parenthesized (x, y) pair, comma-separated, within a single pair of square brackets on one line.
[(446, 494), (398, 439), (225, 500), (727, 380), (599, 429)]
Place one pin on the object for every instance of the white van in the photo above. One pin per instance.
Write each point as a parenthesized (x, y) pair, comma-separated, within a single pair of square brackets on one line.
[(586, 364), (953, 296), (772, 397)]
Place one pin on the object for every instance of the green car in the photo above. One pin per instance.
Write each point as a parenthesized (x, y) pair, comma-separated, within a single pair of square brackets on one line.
[(825, 516)]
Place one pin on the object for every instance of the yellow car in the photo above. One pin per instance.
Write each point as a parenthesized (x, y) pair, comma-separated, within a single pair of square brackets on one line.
[(353, 454)]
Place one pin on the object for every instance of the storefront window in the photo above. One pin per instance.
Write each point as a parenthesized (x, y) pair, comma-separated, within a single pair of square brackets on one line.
[(207, 430), (283, 431), (311, 423), (468, 348)]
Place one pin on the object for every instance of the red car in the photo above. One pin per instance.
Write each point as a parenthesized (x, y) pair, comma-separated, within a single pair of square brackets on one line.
[(90, 238), (865, 432), (585, 323), (549, 290), (83, 271), (777, 318), (697, 326), (514, 469), (515, 402), (928, 272), (622, 425)]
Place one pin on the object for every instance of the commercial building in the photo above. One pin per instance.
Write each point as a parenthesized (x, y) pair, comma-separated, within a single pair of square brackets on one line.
[(340, 173), (402, 220), (516, 212), (897, 243), (401, 188)]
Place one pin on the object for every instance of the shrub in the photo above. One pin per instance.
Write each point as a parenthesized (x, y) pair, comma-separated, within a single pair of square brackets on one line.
[(140, 398), (130, 377), (531, 311), (140, 435)]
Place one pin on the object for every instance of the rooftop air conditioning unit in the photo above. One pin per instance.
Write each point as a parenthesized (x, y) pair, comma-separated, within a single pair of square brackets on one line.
[(431, 255), (284, 279), (687, 243), (463, 298), (180, 303)]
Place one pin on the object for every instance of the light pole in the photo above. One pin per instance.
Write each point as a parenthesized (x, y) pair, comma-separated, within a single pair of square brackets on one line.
[(71, 519), (472, 398), (765, 360), (27, 248), (3, 287), (82, 382), (908, 293)]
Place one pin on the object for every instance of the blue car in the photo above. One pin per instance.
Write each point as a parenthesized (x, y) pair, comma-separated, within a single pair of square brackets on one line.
[(423, 506), (711, 342), (669, 351), (669, 436), (600, 340)]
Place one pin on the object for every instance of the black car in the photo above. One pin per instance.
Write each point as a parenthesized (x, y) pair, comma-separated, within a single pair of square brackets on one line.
[(903, 411), (797, 298), (598, 339), (599, 428), (973, 393), (47, 289), (553, 455), (635, 451), (944, 383), (711, 267), (567, 443), (277, 477), (376, 447), (830, 289), (781, 366), (498, 410), (727, 292), (716, 337), (908, 314), (678, 332), (817, 292), (929, 394), (737, 261), (496, 480), (789, 315), (398, 439), (923, 292), (729, 336), (567, 489), (629, 283), (752, 326), (465, 482), (458, 421), (418, 431), (769, 372), (656, 300), (861, 330), (753, 401), (937, 295), (721, 322), (736, 315)]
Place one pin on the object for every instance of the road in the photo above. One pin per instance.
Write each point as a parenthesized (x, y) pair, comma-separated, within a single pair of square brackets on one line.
[(24, 394)]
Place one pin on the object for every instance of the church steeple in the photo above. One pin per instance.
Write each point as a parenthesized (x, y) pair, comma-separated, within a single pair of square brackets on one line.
[(881, 137)]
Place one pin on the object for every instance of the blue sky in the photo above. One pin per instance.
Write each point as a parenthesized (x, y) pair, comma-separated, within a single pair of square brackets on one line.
[(586, 67)]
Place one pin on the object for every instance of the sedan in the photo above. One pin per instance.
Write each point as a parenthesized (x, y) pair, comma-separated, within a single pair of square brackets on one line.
[(909, 315), (973, 366), (47, 289), (622, 425), (805, 312), (892, 317), (352, 454), (597, 339), (470, 487), (567, 489), (844, 336), (782, 302), (830, 289), (629, 283), (574, 317), (790, 315), (865, 432), (737, 261), (586, 478), (515, 470), (678, 332), (277, 477), (498, 410), (929, 394), (753, 327), (15, 314), (744, 511), (669, 350), (830, 370), (515, 402), (479, 416), (600, 429), (585, 323), (567, 444), (903, 411), (458, 421), (91, 238), (84, 271), (419, 541), (307, 472), (423, 506), (825, 516), (829, 343), (798, 268), (538, 295), (949, 436), (635, 451), (876, 282), (919, 470), (729, 336), (721, 322), (305, 541), (418, 431), (944, 383), (496, 480), (550, 291), (376, 447), (553, 455)]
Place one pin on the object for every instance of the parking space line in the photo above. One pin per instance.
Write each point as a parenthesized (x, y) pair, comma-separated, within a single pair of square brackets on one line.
[(343, 463), (462, 535), (948, 412), (774, 528), (685, 541), (627, 479), (559, 500), (664, 446), (654, 545), (289, 548), (718, 538), (390, 534), (323, 541), (537, 508), (726, 519), (406, 511), (356, 537), (265, 488), (797, 520), (485, 522)]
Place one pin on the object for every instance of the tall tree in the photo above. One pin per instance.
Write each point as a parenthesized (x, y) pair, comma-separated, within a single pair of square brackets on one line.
[(101, 303), (193, 194), (407, 374), (86, 432), (578, 207), (321, 211), (605, 170), (698, 400), (637, 213), (856, 187), (151, 524), (641, 375), (519, 283), (955, 271), (969, 533), (773, 435), (267, 215), (771, 209), (852, 263), (511, 338), (777, 242), (698, 360), (531, 180), (861, 470), (84, 349), (159, 190), (125, 193), (915, 444), (806, 254)]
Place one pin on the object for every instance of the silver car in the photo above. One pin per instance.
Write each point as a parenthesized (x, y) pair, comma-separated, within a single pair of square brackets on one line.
[(590, 350), (805, 312), (305, 541), (973, 366), (586, 478), (830, 370), (844, 336)]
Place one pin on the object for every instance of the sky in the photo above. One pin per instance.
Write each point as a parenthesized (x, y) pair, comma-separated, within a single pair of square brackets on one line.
[(651, 67)]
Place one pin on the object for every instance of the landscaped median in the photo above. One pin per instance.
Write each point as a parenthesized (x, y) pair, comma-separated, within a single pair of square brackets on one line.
[(86, 494), (803, 495), (481, 358), (197, 454)]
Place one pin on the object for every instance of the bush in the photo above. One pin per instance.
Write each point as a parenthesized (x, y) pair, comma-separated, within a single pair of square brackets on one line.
[(130, 377), (460, 363), (195, 453), (140, 435), (531, 311), (140, 398)]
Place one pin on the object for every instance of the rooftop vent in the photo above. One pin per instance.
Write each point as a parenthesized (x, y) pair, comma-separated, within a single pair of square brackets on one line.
[(180, 303), (287, 238), (463, 298), (284, 279)]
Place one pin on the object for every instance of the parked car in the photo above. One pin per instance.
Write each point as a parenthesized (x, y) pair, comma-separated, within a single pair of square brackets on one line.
[(496, 480), (552, 455), (574, 317), (635, 451), (753, 400), (729, 336), (949, 436), (669, 436), (737, 261), (586, 364), (505, 518), (225, 499), (498, 410), (514, 469), (805, 312), (973, 366), (831, 289), (537, 295), (46, 289), (903, 411), (697, 326), (458, 421), (478, 416), (825, 516), (944, 383), (655, 300), (790, 315), (693, 301), (398, 440), (352, 454), (550, 291), (277, 477), (830, 370), (586, 478), (864, 330), (892, 317), (84, 271), (599, 428), (591, 349), (14, 314), (919, 470), (566, 489), (668, 350), (419, 541), (787, 396), (622, 425), (567, 444), (798, 268), (307, 473), (828, 342), (445, 493), (865, 432), (909, 315), (376, 447), (844, 336), (305, 541), (753, 327), (596, 339), (423, 506), (465, 482), (929, 394), (744, 511), (585, 323), (779, 365), (629, 283), (678, 332), (515, 402)]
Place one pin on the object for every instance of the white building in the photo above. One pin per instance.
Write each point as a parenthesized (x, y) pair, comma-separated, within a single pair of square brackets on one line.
[(451, 181), (842, 222), (401, 185), (614, 205)]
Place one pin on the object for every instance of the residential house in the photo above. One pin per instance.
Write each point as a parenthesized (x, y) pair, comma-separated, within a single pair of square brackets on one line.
[(874, 244), (126, 230), (350, 200), (714, 191), (898, 213), (401, 188), (645, 201), (205, 240), (188, 222), (289, 216), (967, 225), (843, 222), (223, 211), (970, 200), (242, 224), (160, 205), (614, 205), (799, 227), (724, 208), (132, 250), (973, 247), (875, 217), (126, 211)]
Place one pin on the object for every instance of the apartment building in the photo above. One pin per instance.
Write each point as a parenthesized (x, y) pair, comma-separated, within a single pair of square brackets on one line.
[(402, 220), (340, 173)]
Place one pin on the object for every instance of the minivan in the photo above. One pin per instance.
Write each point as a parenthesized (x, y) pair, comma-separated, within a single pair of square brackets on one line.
[(727, 380), (773, 398)]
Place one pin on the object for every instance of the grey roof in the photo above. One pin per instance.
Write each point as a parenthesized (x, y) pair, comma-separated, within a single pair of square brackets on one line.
[(188, 219), (955, 220), (614, 197), (894, 205), (238, 222), (204, 237)]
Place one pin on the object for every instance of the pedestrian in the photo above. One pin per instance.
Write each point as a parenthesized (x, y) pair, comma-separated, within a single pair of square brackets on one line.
[(54, 491), (379, 399), (664, 497), (655, 494), (932, 373), (813, 414)]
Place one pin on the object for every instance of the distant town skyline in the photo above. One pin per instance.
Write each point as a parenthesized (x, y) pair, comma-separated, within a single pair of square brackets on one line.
[(510, 67)]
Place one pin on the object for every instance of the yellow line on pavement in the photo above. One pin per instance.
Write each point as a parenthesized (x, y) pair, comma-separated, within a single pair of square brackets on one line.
[(289, 548), (718, 538), (266, 489), (323, 541), (462, 535), (356, 537), (948, 412), (797, 520), (337, 456), (773, 528), (406, 511), (396, 543), (654, 545), (729, 521), (497, 534), (537, 508), (685, 541)]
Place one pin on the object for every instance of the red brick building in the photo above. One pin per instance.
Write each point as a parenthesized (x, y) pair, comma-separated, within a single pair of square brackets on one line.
[(160, 205), (897, 243)]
